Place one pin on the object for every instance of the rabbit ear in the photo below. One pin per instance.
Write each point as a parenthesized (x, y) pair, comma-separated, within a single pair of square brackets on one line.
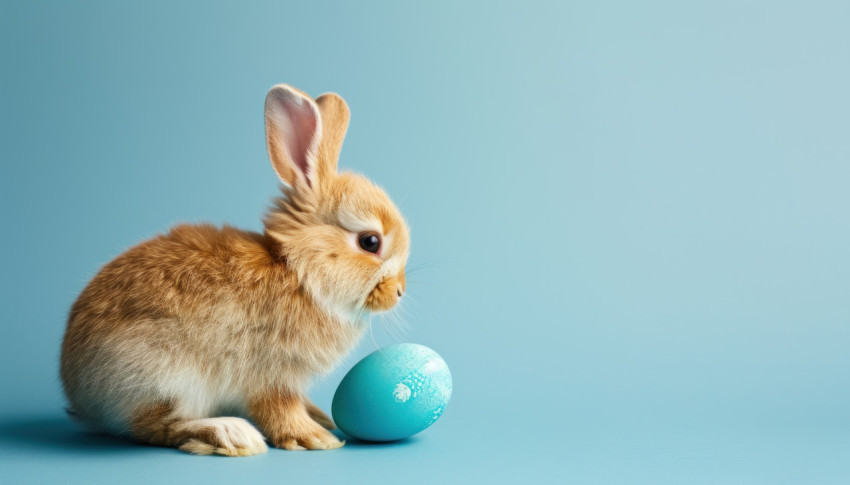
[(335, 115), (293, 134)]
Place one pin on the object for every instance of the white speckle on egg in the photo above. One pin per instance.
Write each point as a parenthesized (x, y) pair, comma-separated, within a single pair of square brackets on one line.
[(401, 392), (434, 365), (437, 413)]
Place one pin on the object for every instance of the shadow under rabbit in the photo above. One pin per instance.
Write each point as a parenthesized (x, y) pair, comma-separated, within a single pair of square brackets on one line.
[(59, 434)]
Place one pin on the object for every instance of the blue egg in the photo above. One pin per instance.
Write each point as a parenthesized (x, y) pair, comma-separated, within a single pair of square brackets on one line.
[(393, 393)]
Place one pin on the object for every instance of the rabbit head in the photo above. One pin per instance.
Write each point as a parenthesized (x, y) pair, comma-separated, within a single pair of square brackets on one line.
[(341, 234)]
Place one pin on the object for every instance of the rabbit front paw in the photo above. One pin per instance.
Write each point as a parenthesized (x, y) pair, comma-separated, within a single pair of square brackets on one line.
[(290, 422), (317, 438)]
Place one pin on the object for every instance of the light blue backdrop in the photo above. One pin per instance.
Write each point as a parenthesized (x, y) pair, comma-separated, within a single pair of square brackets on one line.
[(631, 218)]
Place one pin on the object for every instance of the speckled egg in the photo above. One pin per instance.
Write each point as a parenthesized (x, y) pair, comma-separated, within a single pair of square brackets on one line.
[(393, 393)]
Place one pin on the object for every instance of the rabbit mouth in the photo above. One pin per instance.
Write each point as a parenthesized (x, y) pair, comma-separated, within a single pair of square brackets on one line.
[(385, 295)]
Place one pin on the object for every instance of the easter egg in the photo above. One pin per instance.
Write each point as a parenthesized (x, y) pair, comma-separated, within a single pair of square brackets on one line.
[(392, 393)]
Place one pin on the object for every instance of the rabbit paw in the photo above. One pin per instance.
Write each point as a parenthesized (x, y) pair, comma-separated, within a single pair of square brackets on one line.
[(312, 437), (221, 436), (289, 422)]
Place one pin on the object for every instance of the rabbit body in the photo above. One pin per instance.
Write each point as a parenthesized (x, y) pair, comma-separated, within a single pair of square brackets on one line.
[(178, 339), (202, 314)]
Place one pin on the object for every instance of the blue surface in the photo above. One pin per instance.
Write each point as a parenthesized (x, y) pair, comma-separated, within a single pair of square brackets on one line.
[(392, 393), (630, 222)]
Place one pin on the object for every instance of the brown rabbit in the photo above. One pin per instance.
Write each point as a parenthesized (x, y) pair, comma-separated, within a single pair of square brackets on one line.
[(188, 328)]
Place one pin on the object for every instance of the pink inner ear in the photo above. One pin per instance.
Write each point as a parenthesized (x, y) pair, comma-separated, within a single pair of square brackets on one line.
[(297, 122)]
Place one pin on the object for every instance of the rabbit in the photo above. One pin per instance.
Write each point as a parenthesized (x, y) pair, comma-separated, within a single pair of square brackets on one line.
[(184, 338)]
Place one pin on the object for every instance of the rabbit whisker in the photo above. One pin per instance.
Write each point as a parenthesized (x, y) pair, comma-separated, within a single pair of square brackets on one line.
[(371, 334)]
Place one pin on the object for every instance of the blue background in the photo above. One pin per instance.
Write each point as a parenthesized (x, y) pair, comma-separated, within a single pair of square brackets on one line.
[(630, 221)]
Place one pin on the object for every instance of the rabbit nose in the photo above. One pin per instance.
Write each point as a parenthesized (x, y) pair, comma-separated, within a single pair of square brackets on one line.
[(400, 291)]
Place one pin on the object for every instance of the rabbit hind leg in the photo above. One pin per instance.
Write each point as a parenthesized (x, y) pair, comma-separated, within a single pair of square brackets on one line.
[(158, 425)]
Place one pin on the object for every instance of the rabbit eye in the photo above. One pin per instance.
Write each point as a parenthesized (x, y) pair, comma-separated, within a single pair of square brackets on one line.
[(369, 241)]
